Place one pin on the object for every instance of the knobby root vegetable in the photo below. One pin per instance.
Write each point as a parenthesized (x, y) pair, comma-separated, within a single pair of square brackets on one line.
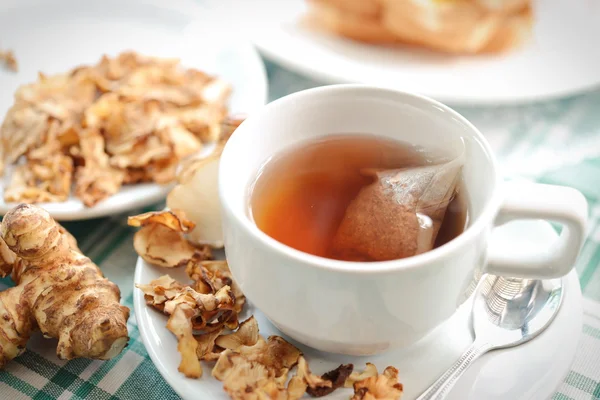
[(58, 291)]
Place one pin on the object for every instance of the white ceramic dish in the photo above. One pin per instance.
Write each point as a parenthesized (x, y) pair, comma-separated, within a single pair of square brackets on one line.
[(532, 371), (56, 36), (561, 59)]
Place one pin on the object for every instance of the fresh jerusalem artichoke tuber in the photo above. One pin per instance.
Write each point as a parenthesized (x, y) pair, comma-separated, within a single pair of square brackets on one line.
[(58, 291)]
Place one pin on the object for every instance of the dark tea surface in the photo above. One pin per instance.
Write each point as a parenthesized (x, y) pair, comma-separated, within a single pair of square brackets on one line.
[(301, 196)]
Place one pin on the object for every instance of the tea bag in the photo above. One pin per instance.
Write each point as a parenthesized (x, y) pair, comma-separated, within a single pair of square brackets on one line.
[(398, 215)]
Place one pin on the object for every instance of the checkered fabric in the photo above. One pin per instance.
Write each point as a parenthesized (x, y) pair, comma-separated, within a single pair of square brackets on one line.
[(555, 142)]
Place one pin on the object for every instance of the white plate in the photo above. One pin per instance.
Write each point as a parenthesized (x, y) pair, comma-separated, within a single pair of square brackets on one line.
[(562, 58), (532, 371), (56, 36)]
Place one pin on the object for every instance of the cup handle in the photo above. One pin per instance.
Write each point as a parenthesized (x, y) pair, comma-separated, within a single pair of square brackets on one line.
[(560, 204)]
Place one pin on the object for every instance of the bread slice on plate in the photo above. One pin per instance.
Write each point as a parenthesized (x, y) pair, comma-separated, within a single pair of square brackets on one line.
[(457, 26), (501, 6), (354, 19), (514, 30), (453, 26)]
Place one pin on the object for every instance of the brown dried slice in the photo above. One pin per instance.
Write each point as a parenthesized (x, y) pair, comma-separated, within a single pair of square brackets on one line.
[(180, 324), (96, 179), (174, 220), (296, 388), (23, 128), (136, 175), (276, 354), (41, 180), (206, 345), (204, 303), (63, 97), (209, 308), (140, 152), (231, 123), (211, 275), (216, 91), (166, 294), (183, 142), (163, 171), (246, 335), (240, 377), (162, 246), (205, 121), (113, 70), (337, 377), (250, 380), (158, 291), (315, 383), (8, 58), (370, 371), (188, 310), (161, 241), (379, 387)]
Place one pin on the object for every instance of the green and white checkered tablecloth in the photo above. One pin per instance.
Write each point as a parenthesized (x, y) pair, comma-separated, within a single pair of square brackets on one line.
[(556, 142)]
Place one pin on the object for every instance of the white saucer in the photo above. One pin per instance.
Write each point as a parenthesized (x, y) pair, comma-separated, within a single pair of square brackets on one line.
[(532, 371), (561, 59), (57, 36)]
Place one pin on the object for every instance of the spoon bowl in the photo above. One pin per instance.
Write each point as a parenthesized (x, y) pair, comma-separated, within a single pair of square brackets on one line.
[(509, 311), (506, 312)]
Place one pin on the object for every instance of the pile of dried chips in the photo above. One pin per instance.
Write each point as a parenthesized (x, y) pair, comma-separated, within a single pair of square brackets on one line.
[(125, 120)]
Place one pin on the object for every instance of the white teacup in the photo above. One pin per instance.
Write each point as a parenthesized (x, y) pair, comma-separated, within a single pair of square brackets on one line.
[(365, 308)]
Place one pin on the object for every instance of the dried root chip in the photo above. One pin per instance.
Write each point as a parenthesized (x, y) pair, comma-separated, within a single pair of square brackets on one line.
[(206, 345), (23, 128), (239, 375), (96, 179), (211, 275), (276, 354), (166, 294), (369, 372), (41, 180), (160, 241), (45, 176), (249, 380), (336, 377), (246, 335), (205, 122), (296, 388), (162, 246), (182, 141), (180, 324), (8, 58), (63, 97), (231, 123), (379, 387), (158, 291), (210, 311), (315, 383), (136, 175), (174, 220), (189, 311)]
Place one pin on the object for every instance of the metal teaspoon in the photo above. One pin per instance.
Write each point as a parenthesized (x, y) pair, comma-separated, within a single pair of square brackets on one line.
[(506, 312)]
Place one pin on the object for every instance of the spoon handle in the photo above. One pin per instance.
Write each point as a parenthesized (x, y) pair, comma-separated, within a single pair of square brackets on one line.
[(440, 388)]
